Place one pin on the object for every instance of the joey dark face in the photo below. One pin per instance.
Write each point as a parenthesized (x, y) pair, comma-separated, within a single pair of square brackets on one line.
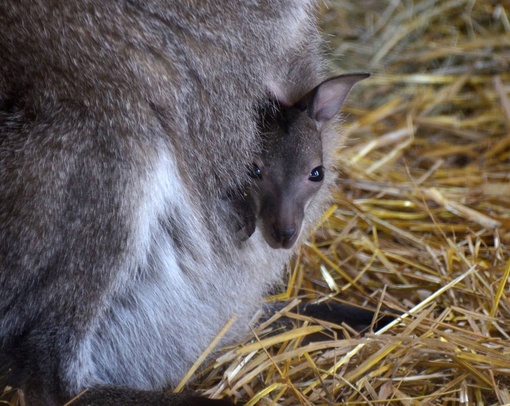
[(290, 172), (287, 177)]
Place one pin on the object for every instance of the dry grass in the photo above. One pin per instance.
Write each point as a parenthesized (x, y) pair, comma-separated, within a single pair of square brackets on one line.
[(421, 221)]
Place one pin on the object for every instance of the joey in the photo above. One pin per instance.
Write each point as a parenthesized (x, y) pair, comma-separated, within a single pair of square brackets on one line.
[(290, 170)]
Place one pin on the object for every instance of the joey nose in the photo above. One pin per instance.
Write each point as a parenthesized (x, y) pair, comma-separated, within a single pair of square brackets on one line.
[(284, 236)]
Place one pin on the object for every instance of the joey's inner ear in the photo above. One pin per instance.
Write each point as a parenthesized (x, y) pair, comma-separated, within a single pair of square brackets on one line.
[(325, 101)]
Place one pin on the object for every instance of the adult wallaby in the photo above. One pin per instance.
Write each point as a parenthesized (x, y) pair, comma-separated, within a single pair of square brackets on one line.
[(291, 168), (123, 123)]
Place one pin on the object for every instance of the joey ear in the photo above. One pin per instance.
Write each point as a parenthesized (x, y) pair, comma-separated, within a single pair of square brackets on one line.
[(325, 101)]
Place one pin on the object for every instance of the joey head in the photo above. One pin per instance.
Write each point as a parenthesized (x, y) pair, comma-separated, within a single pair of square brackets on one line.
[(289, 173)]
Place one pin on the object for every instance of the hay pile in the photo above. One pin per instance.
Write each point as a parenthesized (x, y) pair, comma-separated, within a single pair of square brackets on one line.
[(421, 221)]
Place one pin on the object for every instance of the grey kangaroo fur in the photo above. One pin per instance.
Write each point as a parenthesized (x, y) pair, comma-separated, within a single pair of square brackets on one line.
[(123, 124)]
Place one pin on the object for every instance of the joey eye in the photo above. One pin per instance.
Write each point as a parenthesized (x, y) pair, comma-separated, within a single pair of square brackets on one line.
[(317, 174), (255, 172)]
